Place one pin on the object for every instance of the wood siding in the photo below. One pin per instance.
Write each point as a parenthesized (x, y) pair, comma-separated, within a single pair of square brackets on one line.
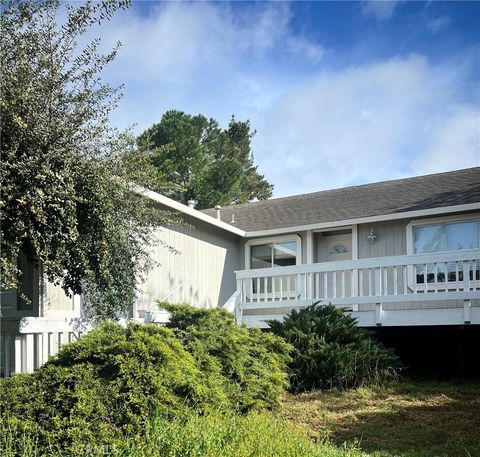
[(390, 241), (202, 273)]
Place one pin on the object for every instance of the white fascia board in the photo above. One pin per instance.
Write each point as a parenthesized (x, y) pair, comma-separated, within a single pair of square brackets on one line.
[(174, 205), (367, 220)]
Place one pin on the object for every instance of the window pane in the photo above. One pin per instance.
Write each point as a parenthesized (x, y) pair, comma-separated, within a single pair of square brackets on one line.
[(261, 256), (430, 239), (285, 254), (462, 235)]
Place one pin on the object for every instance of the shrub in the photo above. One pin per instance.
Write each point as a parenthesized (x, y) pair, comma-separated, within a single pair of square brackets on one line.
[(250, 366), (331, 351), (106, 384)]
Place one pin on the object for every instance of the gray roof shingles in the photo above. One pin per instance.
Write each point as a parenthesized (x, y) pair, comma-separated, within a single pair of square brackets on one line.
[(387, 197)]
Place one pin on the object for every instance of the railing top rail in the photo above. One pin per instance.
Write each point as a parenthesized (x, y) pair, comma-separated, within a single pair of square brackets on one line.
[(375, 262)]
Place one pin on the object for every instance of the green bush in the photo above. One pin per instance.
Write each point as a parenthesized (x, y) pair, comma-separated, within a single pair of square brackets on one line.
[(106, 384), (109, 383), (331, 351), (249, 365)]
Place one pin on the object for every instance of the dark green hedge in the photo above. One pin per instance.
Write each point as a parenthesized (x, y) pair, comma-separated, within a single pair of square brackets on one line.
[(331, 351)]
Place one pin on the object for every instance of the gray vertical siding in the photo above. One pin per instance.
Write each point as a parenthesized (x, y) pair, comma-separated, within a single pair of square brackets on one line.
[(391, 239), (202, 273)]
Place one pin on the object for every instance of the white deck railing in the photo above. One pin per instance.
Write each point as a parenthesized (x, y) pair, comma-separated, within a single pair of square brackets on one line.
[(407, 278), (39, 338)]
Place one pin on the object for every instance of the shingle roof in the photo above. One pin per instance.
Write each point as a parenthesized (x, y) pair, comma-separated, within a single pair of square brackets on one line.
[(387, 197)]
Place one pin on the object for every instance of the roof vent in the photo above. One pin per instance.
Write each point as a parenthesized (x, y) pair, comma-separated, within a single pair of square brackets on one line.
[(233, 219), (217, 209), (191, 203)]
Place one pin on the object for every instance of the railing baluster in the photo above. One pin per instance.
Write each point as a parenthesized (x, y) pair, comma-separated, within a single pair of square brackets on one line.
[(250, 289), (334, 284), (370, 282), (425, 274), (273, 288), (405, 280), (343, 283), (457, 277), (325, 284), (281, 287), (435, 277), (385, 281), (289, 287), (265, 289), (360, 279), (395, 280)]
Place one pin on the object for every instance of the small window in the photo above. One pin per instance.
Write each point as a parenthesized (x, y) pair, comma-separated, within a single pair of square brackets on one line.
[(269, 255), (273, 255)]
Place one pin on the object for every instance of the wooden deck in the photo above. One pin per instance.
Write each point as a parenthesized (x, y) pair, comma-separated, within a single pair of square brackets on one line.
[(427, 289)]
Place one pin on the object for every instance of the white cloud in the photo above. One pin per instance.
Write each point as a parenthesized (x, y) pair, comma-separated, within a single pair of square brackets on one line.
[(382, 10), (317, 128), (454, 142), (437, 23), (201, 57), (369, 123)]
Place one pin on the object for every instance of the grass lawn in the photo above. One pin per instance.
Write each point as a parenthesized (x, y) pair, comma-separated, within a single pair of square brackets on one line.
[(410, 419)]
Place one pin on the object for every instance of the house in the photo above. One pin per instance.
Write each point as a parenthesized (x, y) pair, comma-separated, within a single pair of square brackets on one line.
[(395, 253)]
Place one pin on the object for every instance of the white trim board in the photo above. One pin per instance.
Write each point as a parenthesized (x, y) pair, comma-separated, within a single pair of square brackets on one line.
[(187, 210)]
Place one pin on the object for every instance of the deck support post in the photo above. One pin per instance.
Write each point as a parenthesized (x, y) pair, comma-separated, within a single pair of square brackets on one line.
[(466, 311), (378, 314)]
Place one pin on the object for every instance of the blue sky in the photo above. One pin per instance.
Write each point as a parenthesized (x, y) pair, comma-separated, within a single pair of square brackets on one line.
[(340, 93)]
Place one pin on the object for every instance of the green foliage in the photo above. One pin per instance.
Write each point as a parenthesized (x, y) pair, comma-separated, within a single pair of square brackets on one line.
[(212, 435), (250, 366), (198, 160), (107, 384), (111, 382), (331, 351), (64, 199)]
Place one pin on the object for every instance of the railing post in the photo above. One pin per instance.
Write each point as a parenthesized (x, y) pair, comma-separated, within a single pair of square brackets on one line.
[(241, 299), (378, 314), (17, 368), (466, 311), (29, 352)]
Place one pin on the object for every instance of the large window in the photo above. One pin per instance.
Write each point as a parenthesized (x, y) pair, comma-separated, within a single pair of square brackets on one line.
[(273, 254), (453, 236), (447, 237)]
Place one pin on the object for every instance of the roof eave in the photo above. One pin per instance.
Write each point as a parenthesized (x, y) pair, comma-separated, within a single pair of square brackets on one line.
[(365, 220), (180, 207)]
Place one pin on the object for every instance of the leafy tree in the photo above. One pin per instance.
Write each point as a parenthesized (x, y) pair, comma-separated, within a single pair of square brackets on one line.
[(198, 160), (65, 199)]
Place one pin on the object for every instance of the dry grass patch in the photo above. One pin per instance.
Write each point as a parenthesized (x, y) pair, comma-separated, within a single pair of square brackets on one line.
[(410, 419)]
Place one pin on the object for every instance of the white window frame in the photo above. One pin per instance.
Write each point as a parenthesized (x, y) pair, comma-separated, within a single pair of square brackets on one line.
[(411, 279), (271, 240)]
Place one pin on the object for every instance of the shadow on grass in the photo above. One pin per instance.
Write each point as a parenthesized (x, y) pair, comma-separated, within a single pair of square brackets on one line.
[(437, 426), (408, 419)]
